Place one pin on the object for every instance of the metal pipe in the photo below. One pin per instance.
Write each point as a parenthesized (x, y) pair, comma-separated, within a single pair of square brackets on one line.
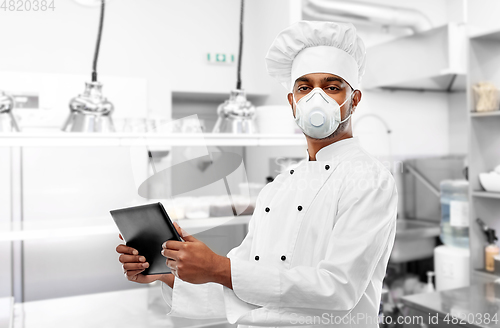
[(315, 15), (422, 179), (378, 14)]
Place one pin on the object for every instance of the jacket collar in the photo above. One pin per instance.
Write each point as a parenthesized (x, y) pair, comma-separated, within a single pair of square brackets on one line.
[(335, 149)]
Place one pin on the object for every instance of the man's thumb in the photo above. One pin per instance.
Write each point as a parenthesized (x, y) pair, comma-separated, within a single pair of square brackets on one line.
[(183, 233)]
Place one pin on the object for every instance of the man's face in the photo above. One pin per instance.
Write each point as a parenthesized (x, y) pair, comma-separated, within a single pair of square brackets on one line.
[(332, 85)]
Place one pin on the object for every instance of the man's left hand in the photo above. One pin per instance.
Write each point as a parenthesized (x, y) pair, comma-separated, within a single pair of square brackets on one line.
[(192, 260)]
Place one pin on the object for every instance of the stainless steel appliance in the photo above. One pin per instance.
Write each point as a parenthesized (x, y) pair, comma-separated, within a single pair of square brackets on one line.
[(90, 111), (7, 120), (236, 115)]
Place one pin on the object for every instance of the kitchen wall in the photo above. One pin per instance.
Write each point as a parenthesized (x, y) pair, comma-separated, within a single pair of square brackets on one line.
[(458, 128), (418, 122), (480, 18)]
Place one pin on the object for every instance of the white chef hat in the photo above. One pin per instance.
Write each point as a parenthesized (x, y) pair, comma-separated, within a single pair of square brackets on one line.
[(317, 47)]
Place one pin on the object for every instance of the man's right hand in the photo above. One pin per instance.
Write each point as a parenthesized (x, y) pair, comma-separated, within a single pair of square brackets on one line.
[(134, 264)]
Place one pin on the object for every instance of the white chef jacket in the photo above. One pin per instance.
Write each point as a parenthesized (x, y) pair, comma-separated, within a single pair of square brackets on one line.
[(316, 251)]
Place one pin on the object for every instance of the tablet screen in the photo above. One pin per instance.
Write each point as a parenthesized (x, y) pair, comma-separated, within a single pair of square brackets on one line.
[(146, 228)]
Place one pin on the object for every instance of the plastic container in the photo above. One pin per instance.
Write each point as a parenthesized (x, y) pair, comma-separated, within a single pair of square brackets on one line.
[(455, 213), (497, 265), (452, 267), (485, 96)]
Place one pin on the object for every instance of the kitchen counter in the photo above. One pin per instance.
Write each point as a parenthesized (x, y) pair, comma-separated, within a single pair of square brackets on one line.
[(470, 304), (137, 308)]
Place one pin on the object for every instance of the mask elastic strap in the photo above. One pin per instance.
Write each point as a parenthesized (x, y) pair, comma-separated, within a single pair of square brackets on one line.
[(347, 99), (345, 119), (296, 108), (348, 116)]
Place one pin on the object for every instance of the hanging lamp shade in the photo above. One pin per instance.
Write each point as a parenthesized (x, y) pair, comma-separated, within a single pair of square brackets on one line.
[(236, 115), (8, 122), (91, 111)]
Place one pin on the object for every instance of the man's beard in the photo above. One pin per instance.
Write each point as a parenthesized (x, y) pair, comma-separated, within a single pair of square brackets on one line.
[(342, 126)]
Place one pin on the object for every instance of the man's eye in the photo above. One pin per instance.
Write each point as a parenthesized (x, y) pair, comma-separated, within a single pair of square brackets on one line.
[(303, 88), (332, 88)]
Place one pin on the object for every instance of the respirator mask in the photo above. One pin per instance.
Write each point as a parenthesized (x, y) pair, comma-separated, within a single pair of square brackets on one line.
[(318, 115)]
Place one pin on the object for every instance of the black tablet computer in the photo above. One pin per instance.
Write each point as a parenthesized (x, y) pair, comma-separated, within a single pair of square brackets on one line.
[(146, 228)]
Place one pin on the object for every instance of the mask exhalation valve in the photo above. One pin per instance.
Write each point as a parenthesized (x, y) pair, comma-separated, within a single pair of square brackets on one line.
[(317, 119)]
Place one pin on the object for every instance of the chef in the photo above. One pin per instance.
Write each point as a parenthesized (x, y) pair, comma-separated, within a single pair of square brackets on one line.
[(321, 235)]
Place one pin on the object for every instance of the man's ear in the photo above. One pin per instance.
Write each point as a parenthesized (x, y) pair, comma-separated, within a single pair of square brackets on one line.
[(290, 101), (355, 100)]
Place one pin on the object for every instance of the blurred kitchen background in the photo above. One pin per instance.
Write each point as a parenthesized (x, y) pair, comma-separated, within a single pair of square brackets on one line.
[(429, 112)]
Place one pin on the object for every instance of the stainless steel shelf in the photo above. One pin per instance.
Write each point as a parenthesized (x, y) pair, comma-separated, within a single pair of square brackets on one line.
[(486, 194), (485, 114), (61, 139), (486, 275), (212, 96), (102, 226), (490, 35)]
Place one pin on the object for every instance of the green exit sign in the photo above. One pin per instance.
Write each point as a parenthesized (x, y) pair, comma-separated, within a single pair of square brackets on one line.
[(221, 58)]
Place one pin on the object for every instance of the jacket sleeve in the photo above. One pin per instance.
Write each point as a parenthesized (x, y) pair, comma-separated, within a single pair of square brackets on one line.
[(203, 301), (363, 234)]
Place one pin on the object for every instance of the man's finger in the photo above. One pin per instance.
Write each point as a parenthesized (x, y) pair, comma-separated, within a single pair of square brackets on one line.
[(184, 234), (170, 253), (135, 266), (178, 228), (124, 249), (172, 244), (188, 238), (131, 258), (120, 236), (172, 264), (130, 273)]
